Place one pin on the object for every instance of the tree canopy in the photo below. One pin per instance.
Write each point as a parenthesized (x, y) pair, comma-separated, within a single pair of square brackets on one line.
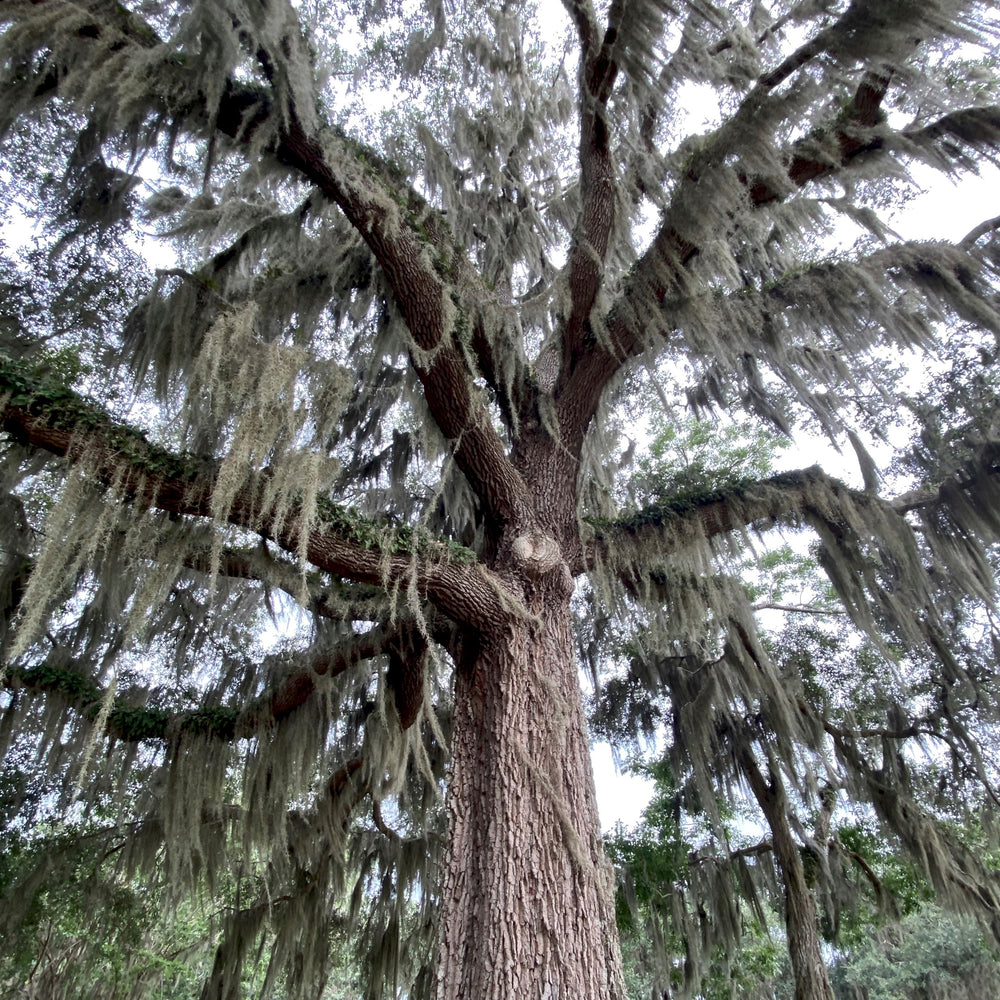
[(327, 382)]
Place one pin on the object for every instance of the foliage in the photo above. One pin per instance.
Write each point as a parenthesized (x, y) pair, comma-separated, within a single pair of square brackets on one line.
[(694, 457), (867, 888), (930, 953), (345, 355), (137, 944)]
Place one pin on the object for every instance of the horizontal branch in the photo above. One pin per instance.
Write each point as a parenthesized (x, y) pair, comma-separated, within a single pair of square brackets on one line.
[(881, 733), (676, 522), (974, 235), (360, 602), (797, 609), (868, 549), (983, 468), (959, 517), (128, 722), (44, 415)]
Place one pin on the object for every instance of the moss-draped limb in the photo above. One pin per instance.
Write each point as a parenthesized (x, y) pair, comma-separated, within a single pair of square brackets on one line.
[(867, 548), (435, 287), (812, 324), (966, 501), (945, 275), (424, 296), (661, 272), (297, 904), (44, 415), (130, 722), (661, 267), (958, 875), (675, 522), (126, 723), (979, 473), (422, 292), (336, 600), (960, 515)]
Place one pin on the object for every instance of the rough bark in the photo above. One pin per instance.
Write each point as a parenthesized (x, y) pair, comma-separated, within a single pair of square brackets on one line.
[(527, 901)]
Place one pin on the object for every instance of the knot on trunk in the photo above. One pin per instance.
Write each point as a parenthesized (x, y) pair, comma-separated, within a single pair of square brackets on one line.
[(537, 554)]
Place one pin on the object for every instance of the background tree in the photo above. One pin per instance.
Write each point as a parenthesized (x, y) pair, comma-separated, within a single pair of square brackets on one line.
[(382, 382), (779, 828), (930, 954), (851, 877)]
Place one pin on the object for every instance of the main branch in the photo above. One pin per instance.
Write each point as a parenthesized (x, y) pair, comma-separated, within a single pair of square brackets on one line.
[(598, 71), (662, 270), (56, 420), (437, 291), (668, 526), (131, 723)]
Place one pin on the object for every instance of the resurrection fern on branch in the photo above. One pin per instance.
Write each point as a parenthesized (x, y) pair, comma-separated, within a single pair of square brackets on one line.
[(324, 387)]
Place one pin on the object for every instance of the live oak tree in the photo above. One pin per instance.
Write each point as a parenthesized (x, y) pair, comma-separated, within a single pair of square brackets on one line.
[(383, 381)]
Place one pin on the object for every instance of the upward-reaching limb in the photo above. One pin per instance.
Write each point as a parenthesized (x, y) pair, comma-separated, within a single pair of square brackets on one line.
[(743, 164), (437, 292), (596, 79)]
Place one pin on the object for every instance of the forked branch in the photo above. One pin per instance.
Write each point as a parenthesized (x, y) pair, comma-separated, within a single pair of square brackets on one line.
[(661, 269)]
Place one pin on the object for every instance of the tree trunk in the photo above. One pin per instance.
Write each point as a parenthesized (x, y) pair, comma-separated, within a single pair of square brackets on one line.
[(808, 968), (528, 895)]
